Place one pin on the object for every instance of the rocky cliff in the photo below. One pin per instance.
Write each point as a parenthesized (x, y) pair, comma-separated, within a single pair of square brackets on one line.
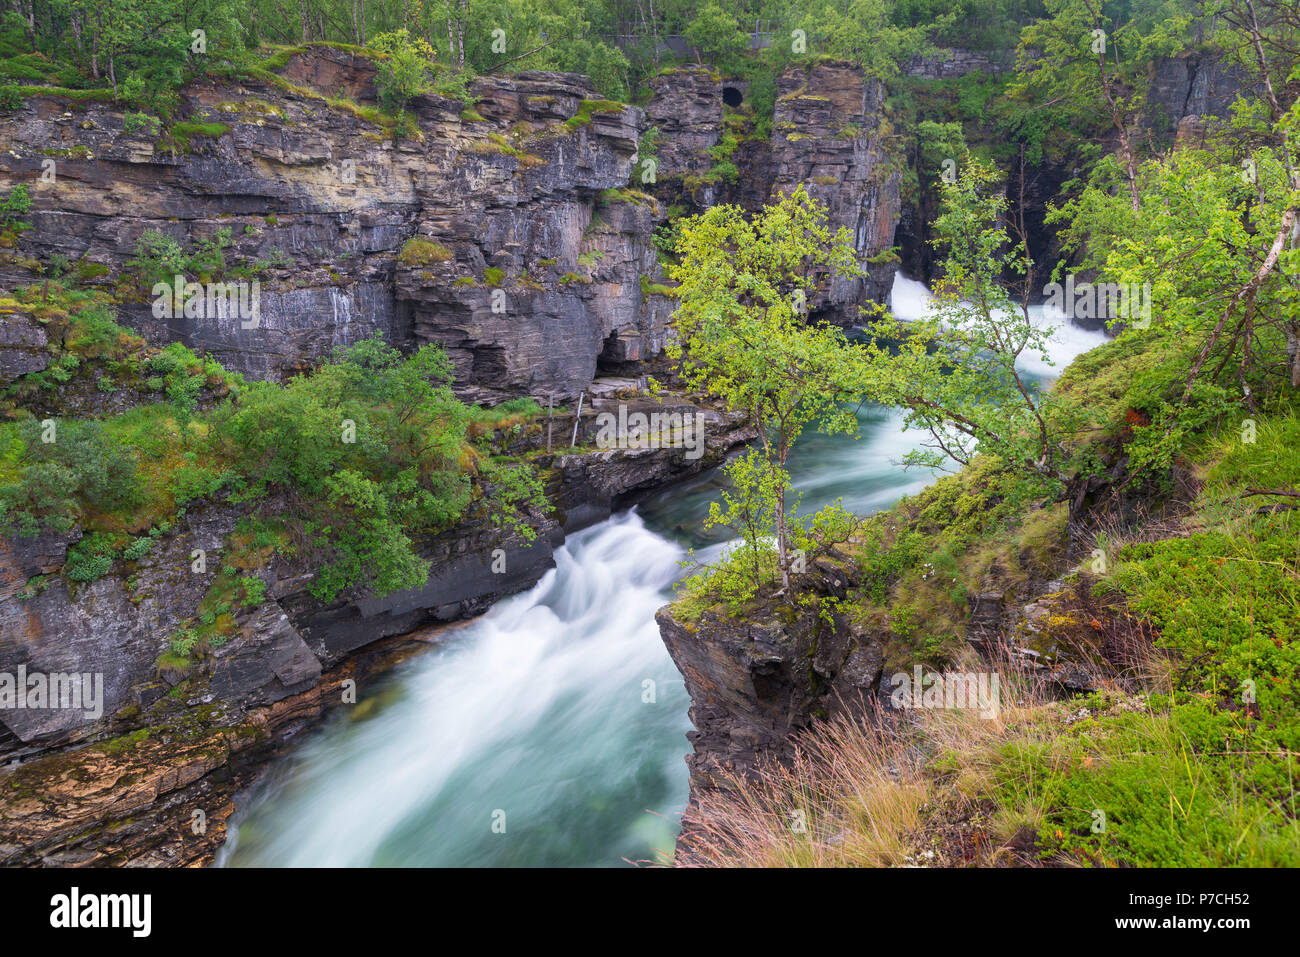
[(829, 133), (498, 231), (757, 680)]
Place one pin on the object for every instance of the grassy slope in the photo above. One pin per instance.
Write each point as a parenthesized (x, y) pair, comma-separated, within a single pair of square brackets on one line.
[(1187, 754)]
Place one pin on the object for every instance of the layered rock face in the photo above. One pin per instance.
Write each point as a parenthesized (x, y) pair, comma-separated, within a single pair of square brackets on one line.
[(687, 110), (1185, 89), (531, 264), (828, 135)]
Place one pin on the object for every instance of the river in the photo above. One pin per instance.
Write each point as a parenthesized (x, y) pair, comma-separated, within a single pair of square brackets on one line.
[(550, 731)]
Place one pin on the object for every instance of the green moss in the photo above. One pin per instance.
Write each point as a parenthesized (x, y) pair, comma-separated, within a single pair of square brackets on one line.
[(493, 276), (63, 93), (625, 194), (125, 742), (423, 252), (497, 143), (185, 131), (589, 107), (649, 288)]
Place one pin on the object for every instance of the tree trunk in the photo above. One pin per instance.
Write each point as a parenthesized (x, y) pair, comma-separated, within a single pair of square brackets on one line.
[(30, 6), (1293, 353), (782, 536), (461, 10), (94, 44)]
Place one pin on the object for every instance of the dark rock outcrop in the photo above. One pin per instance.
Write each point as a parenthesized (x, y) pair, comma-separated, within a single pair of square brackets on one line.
[(22, 346), (1184, 90), (829, 134), (755, 681)]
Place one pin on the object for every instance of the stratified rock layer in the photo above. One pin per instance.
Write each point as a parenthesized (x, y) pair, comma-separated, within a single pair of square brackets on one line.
[(529, 262)]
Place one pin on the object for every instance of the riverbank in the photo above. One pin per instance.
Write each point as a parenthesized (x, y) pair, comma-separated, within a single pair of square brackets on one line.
[(1141, 632)]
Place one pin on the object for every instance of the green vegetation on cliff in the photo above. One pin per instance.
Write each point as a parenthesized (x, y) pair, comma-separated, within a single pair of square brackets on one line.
[(367, 454)]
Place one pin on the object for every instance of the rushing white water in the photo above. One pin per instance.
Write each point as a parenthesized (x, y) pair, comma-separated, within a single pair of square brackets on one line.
[(559, 708), (910, 300), (541, 710)]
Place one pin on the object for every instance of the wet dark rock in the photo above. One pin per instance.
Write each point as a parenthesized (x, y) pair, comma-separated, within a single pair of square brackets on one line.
[(22, 346), (986, 618), (756, 680)]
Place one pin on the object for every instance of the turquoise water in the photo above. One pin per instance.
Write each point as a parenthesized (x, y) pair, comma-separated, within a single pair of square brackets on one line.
[(551, 731)]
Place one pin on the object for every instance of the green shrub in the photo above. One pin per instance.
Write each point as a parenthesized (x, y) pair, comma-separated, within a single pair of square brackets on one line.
[(91, 558), (11, 98), (137, 549), (423, 252), (55, 480), (254, 591)]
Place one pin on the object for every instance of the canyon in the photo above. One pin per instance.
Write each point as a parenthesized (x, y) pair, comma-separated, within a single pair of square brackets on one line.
[(517, 233)]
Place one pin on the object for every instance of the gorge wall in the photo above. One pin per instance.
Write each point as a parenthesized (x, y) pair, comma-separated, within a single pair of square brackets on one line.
[(517, 196), (829, 134)]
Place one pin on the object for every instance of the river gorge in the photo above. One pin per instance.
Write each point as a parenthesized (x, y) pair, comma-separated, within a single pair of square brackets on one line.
[(559, 715), (333, 521)]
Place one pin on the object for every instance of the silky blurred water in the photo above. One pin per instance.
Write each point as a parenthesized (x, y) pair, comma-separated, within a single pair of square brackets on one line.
[(551, 731)]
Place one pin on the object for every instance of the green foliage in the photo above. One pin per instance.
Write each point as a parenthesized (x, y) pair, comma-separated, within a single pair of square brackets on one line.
[(182, 375), (137, 549), (190, 482), (254, 591), (91, 558), (15, 205), (135, 122), (715, 31), (376, 446), (422, 252), (877, 34), (585, 110), (744, 286), (54, 479), (403, 72), (955, 374), (1219, 327), (158, 258)]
